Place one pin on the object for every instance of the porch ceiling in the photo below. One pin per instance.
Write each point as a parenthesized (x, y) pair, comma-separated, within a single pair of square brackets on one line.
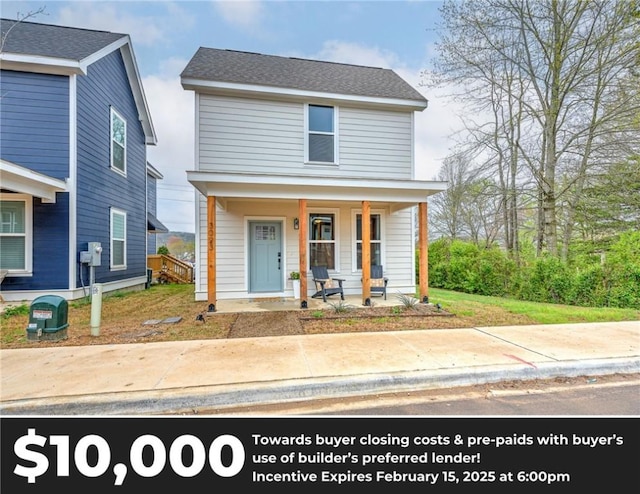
[(399, 193), (24, 181)]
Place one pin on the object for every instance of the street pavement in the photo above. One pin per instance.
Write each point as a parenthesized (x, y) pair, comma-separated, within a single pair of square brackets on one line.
[(179, 377)]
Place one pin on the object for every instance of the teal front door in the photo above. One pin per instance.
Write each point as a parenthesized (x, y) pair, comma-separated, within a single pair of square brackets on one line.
[(265, 256)]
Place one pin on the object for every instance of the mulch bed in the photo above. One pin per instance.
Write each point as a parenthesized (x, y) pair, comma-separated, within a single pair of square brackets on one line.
[(418, 310), (276, 323), (284, 323)]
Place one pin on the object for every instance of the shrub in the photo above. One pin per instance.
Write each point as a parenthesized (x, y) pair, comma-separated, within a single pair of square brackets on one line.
[(624, 287), (549, 280), (407, 301), (622, 271), (494, 273), (589, 288), (462, 266), (587, 280), (438, 261)]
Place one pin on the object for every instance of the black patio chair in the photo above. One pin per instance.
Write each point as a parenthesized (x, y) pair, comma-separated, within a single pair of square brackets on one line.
[(378, 281), (325, 285)]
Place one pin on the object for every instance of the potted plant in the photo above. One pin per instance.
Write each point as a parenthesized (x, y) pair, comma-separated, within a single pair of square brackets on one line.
[(295, 281)]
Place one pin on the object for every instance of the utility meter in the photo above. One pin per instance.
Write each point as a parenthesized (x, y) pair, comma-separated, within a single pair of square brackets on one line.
[(95, 253)]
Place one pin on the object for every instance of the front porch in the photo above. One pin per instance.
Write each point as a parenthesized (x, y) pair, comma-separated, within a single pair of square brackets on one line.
[(344, 224), (272, 304)]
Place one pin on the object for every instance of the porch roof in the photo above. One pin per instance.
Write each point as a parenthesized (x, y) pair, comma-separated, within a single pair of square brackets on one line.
[(154, 225), (19, 179), (400, 193)]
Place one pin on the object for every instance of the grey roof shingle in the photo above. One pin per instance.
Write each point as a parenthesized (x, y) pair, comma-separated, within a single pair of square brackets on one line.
[(231, 66), (47, 40)]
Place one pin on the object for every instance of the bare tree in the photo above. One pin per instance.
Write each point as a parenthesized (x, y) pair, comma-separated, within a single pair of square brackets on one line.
[(550, 83), (447, 207)]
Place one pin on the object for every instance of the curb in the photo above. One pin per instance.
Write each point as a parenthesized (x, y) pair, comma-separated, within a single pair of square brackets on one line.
[(186, 400)]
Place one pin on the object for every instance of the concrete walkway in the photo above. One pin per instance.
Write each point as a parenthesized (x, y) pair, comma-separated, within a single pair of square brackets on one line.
[(177, 377)]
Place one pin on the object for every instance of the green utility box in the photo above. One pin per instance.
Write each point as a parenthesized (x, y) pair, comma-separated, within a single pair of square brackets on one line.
[(48, 318)]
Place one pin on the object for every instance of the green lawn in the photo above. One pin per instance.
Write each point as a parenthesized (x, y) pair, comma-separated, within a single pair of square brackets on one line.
[(467, 304), (123, 314)]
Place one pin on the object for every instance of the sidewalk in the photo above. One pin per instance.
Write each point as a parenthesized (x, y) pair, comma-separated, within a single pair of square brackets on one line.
[(171, 378)]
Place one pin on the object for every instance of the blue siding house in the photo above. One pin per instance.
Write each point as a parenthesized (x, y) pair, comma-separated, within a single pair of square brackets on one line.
[(74, 131), (154, 226)]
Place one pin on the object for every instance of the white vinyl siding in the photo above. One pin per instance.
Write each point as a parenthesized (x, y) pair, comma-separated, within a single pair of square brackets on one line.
[(256, 136), (376, 143), (399, 245), (231, 259), (246, 135)]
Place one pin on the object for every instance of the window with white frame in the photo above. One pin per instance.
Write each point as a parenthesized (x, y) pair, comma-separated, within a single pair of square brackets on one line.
[(118, 239), (118, 142), (321, 139), (375, 240), (322, 240), (15, 233)]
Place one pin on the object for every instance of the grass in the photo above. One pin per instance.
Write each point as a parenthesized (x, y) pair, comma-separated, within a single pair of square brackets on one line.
[(465, 304), (123, 314)]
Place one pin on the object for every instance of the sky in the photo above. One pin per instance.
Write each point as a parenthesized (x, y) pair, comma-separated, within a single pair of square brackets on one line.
[(398, 35)]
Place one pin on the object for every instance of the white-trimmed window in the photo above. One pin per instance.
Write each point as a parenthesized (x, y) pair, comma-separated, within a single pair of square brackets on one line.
[(321, 136), (377, 246), (16, 243), (323, 239), (118, 239), (118, 142)]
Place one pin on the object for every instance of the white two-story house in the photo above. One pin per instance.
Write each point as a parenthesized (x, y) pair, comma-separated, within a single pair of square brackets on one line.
[(292, 158)]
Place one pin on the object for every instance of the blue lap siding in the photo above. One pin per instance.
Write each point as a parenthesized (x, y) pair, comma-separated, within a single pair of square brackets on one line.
[(100, 188), (35, 121), (152, 183), (34, 133)]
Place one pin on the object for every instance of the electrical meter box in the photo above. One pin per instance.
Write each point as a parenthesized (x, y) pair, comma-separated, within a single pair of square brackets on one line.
[(48, 318), (95, 251)]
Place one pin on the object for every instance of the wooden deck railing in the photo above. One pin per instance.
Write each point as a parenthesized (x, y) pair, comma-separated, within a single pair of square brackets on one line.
[(168, 269)]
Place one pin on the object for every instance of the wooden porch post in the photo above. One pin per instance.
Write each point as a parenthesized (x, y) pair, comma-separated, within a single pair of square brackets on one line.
[(423, 228), (211, 253), (366, 253), (302, 250)]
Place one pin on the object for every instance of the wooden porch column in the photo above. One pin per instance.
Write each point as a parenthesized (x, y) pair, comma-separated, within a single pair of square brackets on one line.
[(423, 276), (302, 250), (211, 253), (366, 253)]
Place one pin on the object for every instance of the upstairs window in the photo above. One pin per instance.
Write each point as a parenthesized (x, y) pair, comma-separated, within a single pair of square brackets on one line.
[(321, 136), (118, 142)]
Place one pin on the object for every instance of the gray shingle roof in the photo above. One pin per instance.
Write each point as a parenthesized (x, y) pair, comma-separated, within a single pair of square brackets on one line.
[(230, 66), (47, 40)]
